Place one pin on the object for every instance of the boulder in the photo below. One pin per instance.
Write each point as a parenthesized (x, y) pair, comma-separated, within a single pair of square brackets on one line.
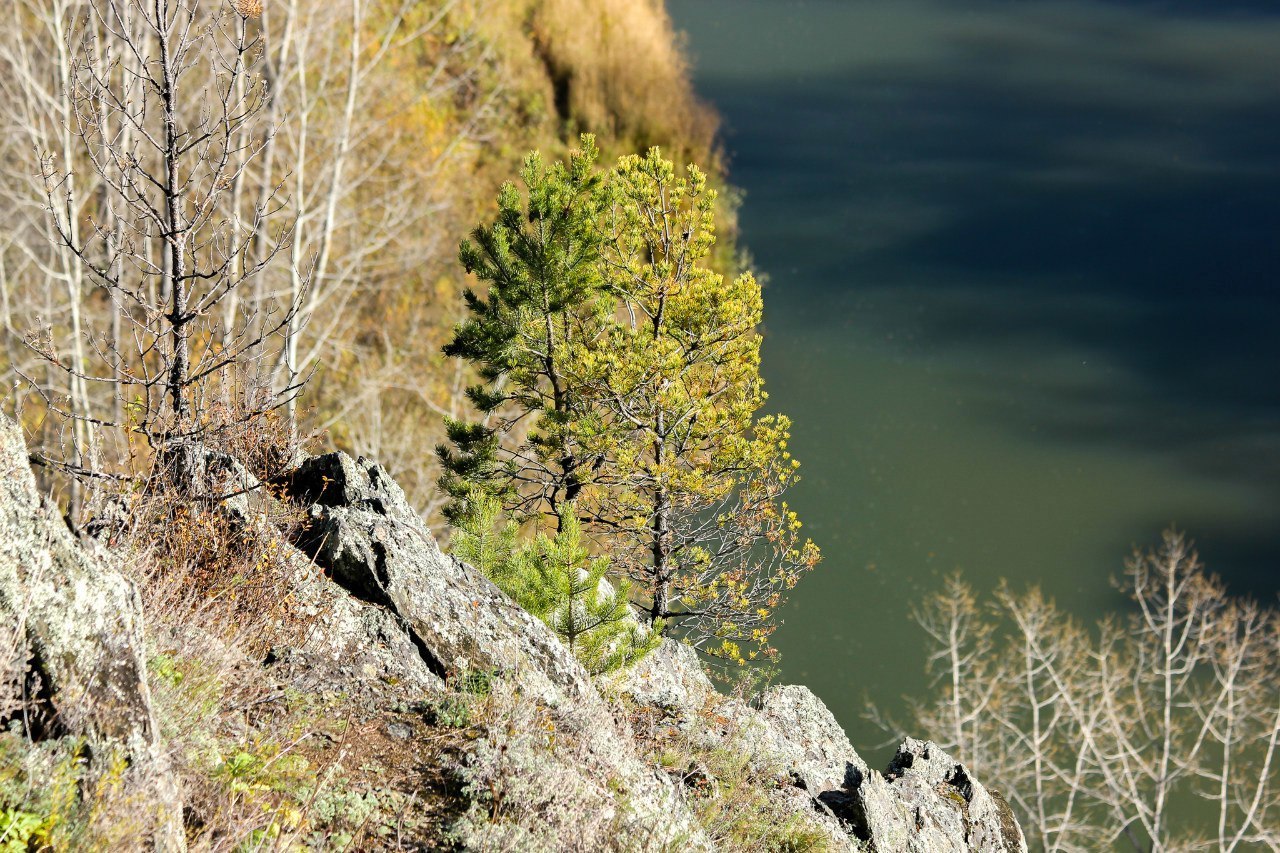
[(348, 645), (367, 538), (806, 737), (197, 470), (79, 620), (790, 736), (670, 678)]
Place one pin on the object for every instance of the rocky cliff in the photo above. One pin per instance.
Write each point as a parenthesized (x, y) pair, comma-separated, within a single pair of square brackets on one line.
[(414, 649)]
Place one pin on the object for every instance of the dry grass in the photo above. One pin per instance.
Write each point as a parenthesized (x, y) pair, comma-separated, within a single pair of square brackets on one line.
[(533, 786), (266, 767), (619, 70), (205, 534)]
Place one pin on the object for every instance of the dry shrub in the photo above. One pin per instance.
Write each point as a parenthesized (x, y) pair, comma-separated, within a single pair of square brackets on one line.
[(232, 739), (200, 561), (60, 795), (248, 8), (533, 786), (208, 532), (1159, 727)]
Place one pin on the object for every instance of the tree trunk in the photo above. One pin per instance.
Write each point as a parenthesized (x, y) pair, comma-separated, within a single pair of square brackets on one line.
[(661, 542), (175, 261)]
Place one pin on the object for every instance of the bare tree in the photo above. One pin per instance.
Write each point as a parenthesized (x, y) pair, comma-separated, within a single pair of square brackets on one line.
[(1110, 737), (160, 94), (342, 152), (365, 115), (36, 111)]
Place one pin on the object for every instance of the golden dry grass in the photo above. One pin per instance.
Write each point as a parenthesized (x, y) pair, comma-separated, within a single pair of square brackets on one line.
[(617, 68)]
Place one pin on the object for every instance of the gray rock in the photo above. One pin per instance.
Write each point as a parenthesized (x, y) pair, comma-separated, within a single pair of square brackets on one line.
[(806, 736), (670, 678), (802, 733), (81, 621), (195, 469), (951, 810), (369, 539), (791, 736), (348, 645), (925, 803)]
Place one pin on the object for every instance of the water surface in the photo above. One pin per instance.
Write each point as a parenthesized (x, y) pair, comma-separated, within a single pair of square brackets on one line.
[(1022, 259)]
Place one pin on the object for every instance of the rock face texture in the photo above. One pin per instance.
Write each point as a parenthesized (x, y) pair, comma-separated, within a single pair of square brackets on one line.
[(925, 802), (81, 623), (350, 646), (947, 808), (391, 617), (365, 536)]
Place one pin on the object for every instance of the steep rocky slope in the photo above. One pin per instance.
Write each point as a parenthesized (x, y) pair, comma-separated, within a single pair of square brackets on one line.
[(414, 648)]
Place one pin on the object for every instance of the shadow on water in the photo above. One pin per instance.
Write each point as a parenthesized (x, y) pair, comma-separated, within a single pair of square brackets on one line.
[(1166, 275)]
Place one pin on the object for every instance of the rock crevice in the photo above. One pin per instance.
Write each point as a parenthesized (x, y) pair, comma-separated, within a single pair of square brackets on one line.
[(924, 802)]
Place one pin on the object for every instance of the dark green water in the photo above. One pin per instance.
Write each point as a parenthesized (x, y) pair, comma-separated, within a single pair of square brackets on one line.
[(1022, 303)]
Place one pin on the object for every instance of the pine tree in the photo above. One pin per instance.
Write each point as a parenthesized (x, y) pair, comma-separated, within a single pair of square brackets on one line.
[(555, 579), (488, 542), (540, 263), (621, 377), (695, 477), (574, 597)]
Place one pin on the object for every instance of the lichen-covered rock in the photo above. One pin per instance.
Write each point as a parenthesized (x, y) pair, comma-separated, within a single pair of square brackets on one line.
[(950, 809), (366, 536), (801, 732), (670, 678), (791, 737), (925, 803), (347, 645), (369, 539), (201, 471), (806, 735), (81, 621)]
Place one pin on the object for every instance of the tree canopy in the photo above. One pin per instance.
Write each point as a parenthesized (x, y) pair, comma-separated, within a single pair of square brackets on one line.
[(620, 375)]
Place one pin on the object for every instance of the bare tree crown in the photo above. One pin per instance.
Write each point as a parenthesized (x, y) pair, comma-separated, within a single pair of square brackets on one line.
[(1157, 731), (166, 112)]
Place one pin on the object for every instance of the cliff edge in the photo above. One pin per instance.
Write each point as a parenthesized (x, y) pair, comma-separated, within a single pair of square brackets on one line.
[(455, 719)]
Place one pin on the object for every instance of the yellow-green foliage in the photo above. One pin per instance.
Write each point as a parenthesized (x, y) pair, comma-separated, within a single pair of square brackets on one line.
[(696, 476), (240, 782), (56, 796), (519, 75), (621, 376)]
